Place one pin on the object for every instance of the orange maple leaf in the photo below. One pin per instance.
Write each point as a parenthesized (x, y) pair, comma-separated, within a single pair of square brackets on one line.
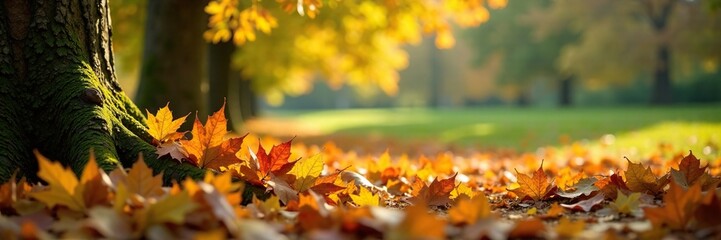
[(536, 187), (438, 193), (277, 160), (207, 149), (679, 207), (162, 126), (640, 179)]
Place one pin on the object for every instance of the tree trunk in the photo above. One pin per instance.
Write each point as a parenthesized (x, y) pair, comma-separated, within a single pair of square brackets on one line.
[(173, 56), (436, 69), (219, 58), (523, 99), (247, 97), (224, 81), (565, 92), (59, 95), (659, 16), (662, 77)]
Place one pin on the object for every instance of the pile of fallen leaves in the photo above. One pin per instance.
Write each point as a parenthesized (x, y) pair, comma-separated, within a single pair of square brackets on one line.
[(314, 192)]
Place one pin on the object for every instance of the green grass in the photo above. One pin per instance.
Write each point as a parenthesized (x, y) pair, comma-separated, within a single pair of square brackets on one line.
[(524, 129)]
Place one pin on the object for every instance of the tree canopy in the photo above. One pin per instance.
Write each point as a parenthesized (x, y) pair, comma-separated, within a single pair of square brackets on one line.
[(289, 44)]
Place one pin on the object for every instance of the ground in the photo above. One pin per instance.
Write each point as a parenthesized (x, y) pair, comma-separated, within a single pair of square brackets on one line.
[(606, 172)]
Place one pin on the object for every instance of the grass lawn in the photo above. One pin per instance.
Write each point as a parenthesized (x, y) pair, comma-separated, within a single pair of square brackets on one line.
[(692, 127)]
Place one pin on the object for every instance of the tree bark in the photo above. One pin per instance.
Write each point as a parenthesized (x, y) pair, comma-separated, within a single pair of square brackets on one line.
[(658, 17), (662, 77), (173, 56), (565, 92), (436, 69), (247, 97), (225, 81), (59, 94)]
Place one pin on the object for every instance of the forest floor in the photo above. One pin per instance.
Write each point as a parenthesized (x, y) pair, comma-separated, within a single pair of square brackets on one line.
[(587, 173)]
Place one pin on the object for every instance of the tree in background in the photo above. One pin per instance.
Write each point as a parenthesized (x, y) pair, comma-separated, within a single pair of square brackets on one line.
[(357, 43), (524, 55), (620, 41)]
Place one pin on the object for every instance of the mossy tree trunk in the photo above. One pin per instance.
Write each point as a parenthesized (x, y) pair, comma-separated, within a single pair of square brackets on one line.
[(174, 57), (58, 91)]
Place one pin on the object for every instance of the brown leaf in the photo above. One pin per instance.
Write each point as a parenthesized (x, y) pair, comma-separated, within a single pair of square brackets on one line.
[(679, 207), (281, 189), (641, 179)]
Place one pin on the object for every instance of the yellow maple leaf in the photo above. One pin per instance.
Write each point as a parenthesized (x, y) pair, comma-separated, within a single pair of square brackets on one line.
[(462, 190), (306, 171), (469, 211), (62, 185), (140, 180), (207, 149), (365, 198), (162, 126)]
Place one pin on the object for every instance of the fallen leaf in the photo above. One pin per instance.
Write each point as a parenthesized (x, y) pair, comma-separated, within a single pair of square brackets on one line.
[(469, 211), (626, 204), (679, 207), (438, 193), (162, 127), (62, 185), (555, 211), (640, 179), (586, 205), (583, 187), (92, 187), (535, 187), (207, 149), (365, 198), (140, 180), (110, 223), (169, 209), (282, 189), (708, 212), (306, 171), (276, 160), (173, 148)]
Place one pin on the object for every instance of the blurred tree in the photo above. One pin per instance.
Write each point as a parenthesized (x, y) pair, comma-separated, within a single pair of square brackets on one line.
[(624, 40), (345, 42), (173, 56), (525, 57)]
